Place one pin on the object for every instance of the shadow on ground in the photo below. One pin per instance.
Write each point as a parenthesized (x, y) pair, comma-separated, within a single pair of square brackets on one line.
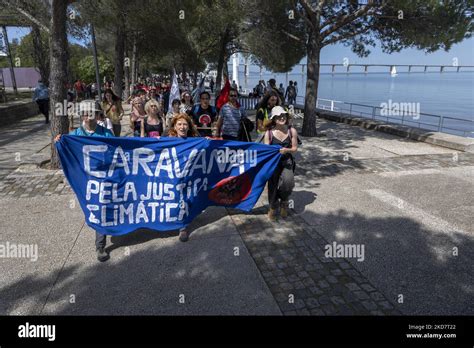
[(214, 281), (142, 236), (403, 257), (151, 279)]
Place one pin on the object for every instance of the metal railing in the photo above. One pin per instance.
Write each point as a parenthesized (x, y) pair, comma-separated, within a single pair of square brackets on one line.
[(438, 123), (420, 120), (248, 103)]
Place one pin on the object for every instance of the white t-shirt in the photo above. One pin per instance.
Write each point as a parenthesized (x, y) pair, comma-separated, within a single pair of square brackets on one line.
[(107, 123)]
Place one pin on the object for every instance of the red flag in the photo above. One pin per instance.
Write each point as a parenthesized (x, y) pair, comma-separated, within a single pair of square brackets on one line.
[(224, 95)]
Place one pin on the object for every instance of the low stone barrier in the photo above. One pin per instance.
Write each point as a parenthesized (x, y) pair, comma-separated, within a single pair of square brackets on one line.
[(11, 113)]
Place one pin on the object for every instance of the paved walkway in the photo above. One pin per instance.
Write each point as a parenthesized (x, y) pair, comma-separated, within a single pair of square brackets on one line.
[(408, 204)]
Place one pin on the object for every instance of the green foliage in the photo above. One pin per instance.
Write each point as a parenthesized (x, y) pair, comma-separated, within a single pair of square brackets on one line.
[(86, 68), (426, 25), (274, 38), (24, 50)]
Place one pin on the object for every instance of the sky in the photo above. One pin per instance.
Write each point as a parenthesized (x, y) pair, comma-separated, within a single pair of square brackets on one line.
[(462, 52)]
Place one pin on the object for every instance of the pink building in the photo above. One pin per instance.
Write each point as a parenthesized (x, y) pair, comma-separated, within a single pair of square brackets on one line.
[(25, 77)]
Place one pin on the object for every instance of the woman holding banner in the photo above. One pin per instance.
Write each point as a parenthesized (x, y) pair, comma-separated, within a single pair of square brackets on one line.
[(182, 126), (282, 182)]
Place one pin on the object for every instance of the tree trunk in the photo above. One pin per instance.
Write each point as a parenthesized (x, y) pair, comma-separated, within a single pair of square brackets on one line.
[(40, 54), (58, 75), (312, 82), (10, 58), (221, 61), (225, 69), (134, 60), (195, 72), (220, 64), (183, 69), (126, 92), (96, 64), (137, 69), (127, 82), (119, 58)]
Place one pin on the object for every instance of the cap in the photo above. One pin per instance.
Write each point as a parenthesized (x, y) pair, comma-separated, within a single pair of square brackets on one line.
[(89, 107), (277, 111)]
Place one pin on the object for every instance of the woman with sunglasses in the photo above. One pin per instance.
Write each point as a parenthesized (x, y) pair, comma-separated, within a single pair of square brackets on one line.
[(152, 125), (282, 182), (230, 116)]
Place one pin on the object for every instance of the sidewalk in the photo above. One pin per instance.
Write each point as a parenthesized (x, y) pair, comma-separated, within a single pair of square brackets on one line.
[(408, 203)]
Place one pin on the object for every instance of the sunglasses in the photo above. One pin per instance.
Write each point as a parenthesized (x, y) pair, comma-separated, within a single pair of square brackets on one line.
[(233, 95)]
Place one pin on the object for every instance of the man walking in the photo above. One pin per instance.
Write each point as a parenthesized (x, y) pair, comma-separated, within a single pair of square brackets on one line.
[(291, 94), (272, 87), (230, 116), (41, 97)]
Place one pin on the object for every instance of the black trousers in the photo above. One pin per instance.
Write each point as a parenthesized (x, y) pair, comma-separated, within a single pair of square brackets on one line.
[(280, 186), (43, 105), (117, 129), (100, 240)]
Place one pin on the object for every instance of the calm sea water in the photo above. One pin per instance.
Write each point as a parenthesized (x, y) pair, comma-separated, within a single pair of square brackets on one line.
[(448, 94)]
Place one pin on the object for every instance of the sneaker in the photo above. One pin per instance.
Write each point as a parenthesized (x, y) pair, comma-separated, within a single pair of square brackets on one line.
[(183, 235), (272, 214), (102, 255)]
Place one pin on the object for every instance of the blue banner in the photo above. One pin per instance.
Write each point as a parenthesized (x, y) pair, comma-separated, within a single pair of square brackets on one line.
[(124, 184)]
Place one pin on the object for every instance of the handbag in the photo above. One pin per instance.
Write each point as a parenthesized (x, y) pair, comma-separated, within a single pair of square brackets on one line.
[(246, 126)]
